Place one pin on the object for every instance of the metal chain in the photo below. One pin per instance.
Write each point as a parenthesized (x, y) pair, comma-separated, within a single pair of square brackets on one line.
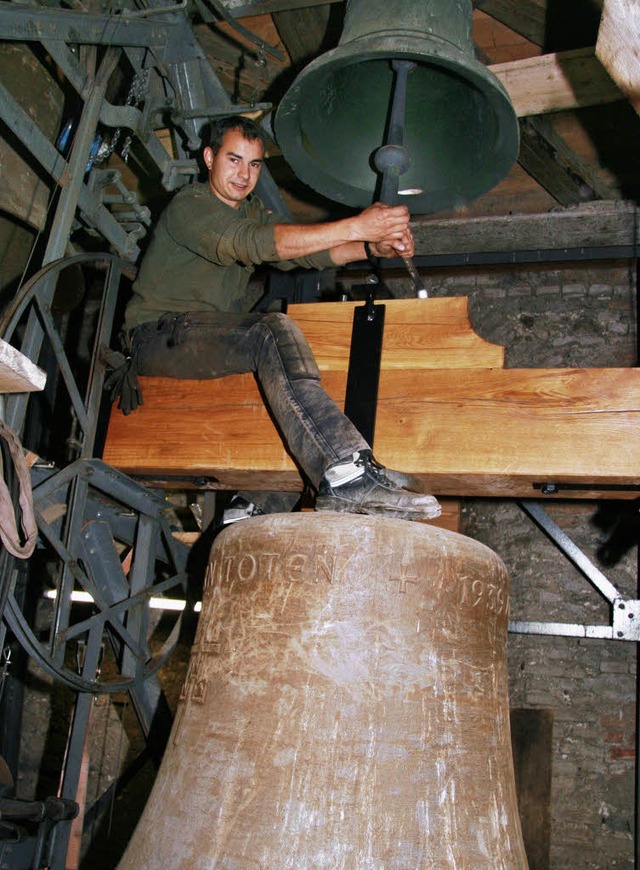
[(6, 665), (136, 96), (258, 89)]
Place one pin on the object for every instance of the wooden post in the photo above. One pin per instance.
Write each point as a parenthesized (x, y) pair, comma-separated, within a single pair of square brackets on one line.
[(618, 46)]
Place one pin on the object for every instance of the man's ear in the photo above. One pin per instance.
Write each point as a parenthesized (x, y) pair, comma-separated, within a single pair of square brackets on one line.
[(208, 156)]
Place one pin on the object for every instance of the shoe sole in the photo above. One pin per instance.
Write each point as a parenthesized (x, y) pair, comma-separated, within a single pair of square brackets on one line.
[(337, 506)]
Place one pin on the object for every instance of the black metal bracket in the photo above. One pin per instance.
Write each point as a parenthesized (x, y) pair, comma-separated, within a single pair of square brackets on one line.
[(549, 488), (363, 378)]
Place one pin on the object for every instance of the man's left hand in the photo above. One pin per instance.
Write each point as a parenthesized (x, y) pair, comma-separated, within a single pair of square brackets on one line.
[(403, 247)]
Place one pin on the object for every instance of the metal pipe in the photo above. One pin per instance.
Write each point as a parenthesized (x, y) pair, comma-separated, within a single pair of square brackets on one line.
[(392, 160)]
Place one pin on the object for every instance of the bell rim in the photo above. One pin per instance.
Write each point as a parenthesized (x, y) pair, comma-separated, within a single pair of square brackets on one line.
[(443, 54)]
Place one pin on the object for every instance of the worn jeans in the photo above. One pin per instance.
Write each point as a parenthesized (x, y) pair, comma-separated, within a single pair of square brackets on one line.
[(212, 345)]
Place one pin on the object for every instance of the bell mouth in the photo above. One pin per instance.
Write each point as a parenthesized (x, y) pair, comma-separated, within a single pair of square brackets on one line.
[(460, 130)]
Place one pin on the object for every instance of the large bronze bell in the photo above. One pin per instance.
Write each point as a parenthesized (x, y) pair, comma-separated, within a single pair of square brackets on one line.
[(345, 707), (460, 129)]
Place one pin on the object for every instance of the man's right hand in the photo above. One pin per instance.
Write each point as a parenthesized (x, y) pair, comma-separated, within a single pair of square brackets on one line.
[(345, 238)]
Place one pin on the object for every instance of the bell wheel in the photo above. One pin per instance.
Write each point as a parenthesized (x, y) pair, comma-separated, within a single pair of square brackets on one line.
[(105, 551)]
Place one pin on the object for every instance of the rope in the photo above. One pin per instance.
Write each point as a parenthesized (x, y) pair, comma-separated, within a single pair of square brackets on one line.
[(9, 534)]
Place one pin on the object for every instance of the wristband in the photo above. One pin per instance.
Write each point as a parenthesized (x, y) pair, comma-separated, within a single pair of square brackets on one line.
[(371, 257)]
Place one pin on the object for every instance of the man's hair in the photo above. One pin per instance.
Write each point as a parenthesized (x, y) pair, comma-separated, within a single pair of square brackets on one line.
[(248, 128)]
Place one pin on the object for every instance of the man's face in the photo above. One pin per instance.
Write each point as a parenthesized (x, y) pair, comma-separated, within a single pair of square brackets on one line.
[(234, 170)]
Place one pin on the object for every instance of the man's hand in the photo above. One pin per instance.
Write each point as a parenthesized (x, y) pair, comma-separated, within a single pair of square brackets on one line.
[(381, 223), (385, 226), (402, 247)]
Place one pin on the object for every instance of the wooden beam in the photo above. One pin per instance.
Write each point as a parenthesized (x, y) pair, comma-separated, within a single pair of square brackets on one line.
[(526, 17), (236, 61), (557, 82), (464, 432), (306, 33), (549, 160), (618, 46), (501, 432), (591, 225), (17, 373)]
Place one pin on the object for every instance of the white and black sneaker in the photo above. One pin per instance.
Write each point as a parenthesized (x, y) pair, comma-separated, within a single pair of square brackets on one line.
[(239, 509), (362, 486)]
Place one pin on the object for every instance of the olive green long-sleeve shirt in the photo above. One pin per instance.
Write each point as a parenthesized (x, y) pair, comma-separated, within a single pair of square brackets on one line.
[(202, 255)]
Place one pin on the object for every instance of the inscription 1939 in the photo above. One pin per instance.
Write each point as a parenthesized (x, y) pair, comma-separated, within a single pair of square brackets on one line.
[(482, 593)]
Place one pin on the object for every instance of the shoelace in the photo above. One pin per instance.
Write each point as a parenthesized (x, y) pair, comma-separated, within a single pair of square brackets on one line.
[(377, 470)]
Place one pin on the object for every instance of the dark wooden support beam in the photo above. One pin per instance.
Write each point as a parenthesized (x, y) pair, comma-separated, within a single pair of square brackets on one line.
[(549, 160), (307, 32), (590, 225), (526, 17)]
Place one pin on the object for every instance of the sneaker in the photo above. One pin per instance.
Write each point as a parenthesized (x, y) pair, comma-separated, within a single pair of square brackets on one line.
[(363, 486), (239, 509)]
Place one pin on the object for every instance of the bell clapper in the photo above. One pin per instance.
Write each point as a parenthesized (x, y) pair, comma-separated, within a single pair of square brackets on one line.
[(392, 160)]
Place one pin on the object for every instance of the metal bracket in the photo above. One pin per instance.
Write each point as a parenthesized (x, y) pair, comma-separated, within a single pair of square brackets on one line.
[(177, 172), (625, 613), (626, 619), (363, 377)]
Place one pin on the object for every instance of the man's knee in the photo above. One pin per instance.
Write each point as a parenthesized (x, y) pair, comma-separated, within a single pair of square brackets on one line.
[(296, 355)]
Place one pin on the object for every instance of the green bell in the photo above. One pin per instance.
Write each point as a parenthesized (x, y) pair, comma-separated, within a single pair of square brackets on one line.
[(459, 134)]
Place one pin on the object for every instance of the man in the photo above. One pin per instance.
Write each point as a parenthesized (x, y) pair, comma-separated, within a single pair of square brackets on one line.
[(190, 317)]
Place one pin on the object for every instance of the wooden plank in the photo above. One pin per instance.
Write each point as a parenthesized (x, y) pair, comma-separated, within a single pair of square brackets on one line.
[(235, 60), (419, 334), (532, 744), (618, 46), (306, 33), (493, 432), (495, 42), (17, 373), (499, 432), (590, 225), (557, 82)]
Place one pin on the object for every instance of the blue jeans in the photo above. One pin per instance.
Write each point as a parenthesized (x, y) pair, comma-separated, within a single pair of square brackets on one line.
[(212, 345)]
